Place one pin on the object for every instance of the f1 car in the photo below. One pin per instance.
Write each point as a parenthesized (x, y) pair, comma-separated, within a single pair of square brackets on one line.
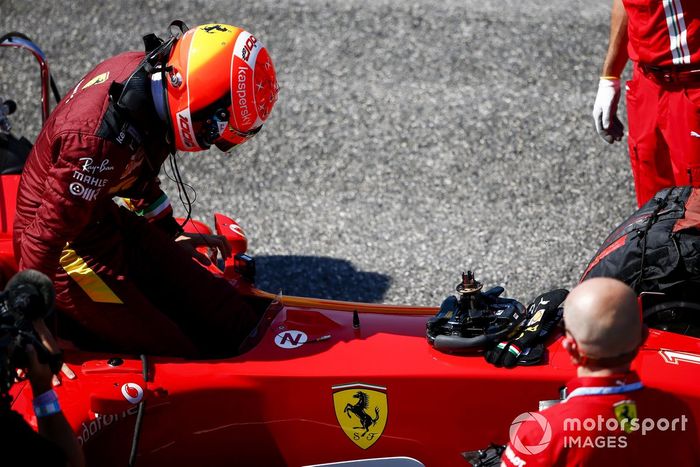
[(322, 382)]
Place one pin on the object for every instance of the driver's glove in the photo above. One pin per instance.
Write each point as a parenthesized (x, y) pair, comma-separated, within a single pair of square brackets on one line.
[(542, 315), (607, 124)]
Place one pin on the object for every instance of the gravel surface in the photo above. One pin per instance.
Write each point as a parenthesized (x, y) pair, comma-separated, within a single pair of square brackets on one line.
[(411, 140)]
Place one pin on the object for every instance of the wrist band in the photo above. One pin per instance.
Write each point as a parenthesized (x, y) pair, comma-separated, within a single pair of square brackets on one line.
[(45, 398), (46, 404), (610, 78)]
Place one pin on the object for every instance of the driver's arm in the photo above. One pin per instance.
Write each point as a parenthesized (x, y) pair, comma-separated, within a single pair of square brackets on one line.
[(155, 206)]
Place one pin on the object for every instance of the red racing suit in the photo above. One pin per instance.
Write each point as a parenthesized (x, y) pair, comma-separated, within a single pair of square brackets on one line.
[(119, 275), (606, 421), (663, 96)]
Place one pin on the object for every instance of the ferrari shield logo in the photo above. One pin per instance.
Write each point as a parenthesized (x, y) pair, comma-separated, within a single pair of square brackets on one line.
[(99, 79), (625, 412), (362, 411)]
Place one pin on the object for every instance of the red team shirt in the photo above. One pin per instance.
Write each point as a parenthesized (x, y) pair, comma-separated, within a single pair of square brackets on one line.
[(605, 422), (664, 32)]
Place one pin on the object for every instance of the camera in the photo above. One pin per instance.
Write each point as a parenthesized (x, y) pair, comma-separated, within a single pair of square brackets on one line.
[(29, 296)]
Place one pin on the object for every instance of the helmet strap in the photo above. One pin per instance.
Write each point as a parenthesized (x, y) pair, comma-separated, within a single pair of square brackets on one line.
[(156, 95), (156, 61), (179, 24), (170, 132), (151, 42)]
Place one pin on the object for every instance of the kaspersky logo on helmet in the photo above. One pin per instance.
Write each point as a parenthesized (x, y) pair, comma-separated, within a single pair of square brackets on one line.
[(185, 129), (241, 90), (245, 50)]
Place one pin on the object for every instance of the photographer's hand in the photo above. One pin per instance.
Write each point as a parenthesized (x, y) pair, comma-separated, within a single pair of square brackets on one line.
[(45, 336), (40, 375), (48, 341), (51, 421)]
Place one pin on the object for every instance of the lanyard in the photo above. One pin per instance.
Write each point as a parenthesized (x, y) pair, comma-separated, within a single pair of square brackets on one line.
[(605, 390)]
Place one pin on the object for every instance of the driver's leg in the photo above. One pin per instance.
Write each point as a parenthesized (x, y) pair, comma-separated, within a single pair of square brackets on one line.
[(101, 309), (207, 308)]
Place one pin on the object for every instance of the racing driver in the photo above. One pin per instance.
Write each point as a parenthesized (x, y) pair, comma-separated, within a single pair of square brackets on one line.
[(90, 212)]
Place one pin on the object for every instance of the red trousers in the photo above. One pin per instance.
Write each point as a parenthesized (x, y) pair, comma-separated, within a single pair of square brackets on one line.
[(152, 297), (664, 134)]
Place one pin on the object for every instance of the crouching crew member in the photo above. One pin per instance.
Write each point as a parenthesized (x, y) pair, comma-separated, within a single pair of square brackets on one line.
[(609, 417)]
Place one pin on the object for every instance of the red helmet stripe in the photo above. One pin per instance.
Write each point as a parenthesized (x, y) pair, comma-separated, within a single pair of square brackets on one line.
[(189, 141), (247, 48), (184, 129), (245, 53)]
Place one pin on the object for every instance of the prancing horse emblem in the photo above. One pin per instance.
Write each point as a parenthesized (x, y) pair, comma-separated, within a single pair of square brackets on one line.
[(361, 410), (216, 27)]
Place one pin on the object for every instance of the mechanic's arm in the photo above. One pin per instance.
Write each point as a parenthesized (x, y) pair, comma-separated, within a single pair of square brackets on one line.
[(51, 421), (607, 124), (617, 55)]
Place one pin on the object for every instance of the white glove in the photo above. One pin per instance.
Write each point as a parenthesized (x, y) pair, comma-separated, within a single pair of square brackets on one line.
[(607, 124)]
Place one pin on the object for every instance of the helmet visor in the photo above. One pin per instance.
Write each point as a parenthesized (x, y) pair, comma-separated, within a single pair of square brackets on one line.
[(214, 129), (232, 137)]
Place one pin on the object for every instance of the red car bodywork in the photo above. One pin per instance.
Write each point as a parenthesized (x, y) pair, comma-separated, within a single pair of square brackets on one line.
[(274, 405), (293, 399)]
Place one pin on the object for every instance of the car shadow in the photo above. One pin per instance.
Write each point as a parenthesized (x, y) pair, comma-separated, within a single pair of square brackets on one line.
[(319, 277)]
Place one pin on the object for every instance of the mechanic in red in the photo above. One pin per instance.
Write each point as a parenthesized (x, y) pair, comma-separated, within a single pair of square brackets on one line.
[(609, 417), (662, 38), (90, 212)]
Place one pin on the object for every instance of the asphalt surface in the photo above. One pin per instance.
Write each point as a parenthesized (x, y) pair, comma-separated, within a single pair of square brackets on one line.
[(411, 140)]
